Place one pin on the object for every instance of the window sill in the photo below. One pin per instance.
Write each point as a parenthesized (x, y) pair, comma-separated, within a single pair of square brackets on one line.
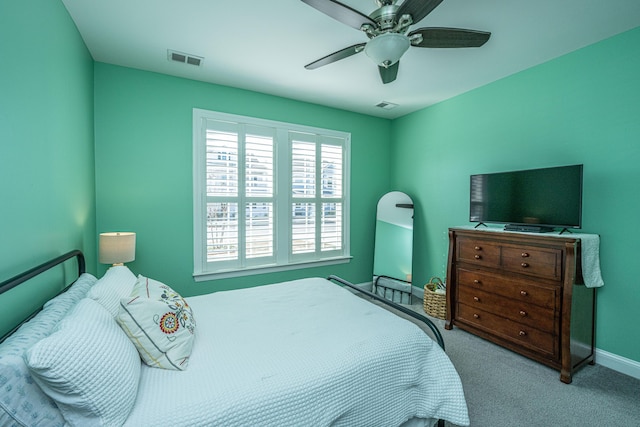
[(205, 276)]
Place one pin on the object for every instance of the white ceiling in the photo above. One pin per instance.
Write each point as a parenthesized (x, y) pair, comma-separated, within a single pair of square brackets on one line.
[(263, 45)]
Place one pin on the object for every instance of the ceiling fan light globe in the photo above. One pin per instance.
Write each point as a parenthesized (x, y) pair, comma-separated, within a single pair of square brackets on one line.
[(387, 49)]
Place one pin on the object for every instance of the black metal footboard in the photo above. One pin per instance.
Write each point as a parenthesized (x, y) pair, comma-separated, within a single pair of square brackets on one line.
[(405, 310)]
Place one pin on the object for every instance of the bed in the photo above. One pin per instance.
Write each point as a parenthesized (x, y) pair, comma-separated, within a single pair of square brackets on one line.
[(301, 353)]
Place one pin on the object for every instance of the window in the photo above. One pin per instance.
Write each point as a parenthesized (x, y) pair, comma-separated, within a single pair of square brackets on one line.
[(267, 195)]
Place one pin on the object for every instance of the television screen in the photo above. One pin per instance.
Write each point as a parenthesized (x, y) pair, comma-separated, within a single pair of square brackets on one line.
[(529, 200)]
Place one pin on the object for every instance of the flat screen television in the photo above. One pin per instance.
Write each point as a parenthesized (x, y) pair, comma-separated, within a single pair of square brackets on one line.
[(535, 200)]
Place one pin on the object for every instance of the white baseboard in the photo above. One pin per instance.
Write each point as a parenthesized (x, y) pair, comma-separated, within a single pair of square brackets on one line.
[(604, 358), (618, 363)]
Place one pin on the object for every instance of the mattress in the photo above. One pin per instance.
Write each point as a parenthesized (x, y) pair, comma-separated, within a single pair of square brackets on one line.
[(305, 352)]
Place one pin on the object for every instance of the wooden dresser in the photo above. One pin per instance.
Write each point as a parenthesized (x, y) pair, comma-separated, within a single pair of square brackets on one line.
[(523, 292)]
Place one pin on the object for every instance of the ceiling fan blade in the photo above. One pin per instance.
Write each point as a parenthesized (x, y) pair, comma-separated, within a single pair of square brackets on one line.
[(389, 74), (418, 9), (341, 12), (450, 37), (336, 56)]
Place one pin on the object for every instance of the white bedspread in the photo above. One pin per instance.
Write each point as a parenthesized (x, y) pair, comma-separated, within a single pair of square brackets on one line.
[(301, 353)]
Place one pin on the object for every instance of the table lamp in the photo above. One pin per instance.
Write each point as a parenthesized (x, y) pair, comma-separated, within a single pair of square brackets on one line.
[(116, 248)]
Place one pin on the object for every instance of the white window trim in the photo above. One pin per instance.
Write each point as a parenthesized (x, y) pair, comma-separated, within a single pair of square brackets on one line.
[(202, 277), (283, 261)]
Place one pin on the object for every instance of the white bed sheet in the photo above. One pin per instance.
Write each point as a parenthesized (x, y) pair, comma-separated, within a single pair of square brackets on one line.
[(301, 353)]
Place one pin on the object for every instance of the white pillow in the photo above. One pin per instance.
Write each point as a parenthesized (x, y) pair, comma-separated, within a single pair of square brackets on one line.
[(88, 367), (45, 322), (22, 402), (160, 324), (116, 283)]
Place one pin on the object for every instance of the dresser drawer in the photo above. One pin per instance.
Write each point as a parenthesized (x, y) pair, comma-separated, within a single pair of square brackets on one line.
[(532, 315), (533, 261), (478, 251), (516, 290), (523, 335)]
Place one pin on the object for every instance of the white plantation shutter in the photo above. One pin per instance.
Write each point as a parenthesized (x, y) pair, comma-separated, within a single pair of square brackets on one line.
[(222, 231), (222, 163), (332, 185), (222, 190), (239, 193), (331, 227), (259, 165), (317, 164), (259, 183), (303, 187), (303, 168), (267, 195)]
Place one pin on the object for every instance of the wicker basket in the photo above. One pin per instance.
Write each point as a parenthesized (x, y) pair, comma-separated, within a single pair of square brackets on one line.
[(434, 303)]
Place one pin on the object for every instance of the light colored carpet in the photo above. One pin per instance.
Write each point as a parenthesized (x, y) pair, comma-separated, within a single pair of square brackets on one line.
[(504, 389)]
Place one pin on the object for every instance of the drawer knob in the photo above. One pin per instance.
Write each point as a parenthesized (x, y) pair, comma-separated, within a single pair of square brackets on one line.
[(524, 255), (477, 248), (523, 313), (477, 256), (476, 282), (522, 333), (476, 316), (524, 293), (524, 265), (476, 299)]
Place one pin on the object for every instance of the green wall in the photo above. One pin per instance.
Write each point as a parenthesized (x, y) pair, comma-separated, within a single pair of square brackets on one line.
[(143, 130), (583, 107), (47, 191)]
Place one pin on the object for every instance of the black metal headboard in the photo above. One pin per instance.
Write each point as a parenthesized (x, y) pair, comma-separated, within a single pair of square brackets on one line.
[(29, 274)]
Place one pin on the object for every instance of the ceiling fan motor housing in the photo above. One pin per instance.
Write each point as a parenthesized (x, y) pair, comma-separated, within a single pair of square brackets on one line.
[(388, 42), (385, 17)]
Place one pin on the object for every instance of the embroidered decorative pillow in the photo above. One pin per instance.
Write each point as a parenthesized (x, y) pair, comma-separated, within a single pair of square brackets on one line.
[(160, 324)]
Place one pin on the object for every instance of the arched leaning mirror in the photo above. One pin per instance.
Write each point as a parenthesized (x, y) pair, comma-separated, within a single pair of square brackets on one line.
[(393, 247)]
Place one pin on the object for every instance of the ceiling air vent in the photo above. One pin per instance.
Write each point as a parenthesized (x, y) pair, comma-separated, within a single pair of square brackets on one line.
[(386, 105), (185, 58)]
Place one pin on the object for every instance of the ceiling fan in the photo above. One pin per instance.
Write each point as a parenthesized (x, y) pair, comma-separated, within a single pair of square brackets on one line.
[(388, 30)]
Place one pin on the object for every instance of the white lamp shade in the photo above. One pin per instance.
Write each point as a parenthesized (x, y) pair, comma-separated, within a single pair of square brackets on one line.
[(386, 49), (117, 248)]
